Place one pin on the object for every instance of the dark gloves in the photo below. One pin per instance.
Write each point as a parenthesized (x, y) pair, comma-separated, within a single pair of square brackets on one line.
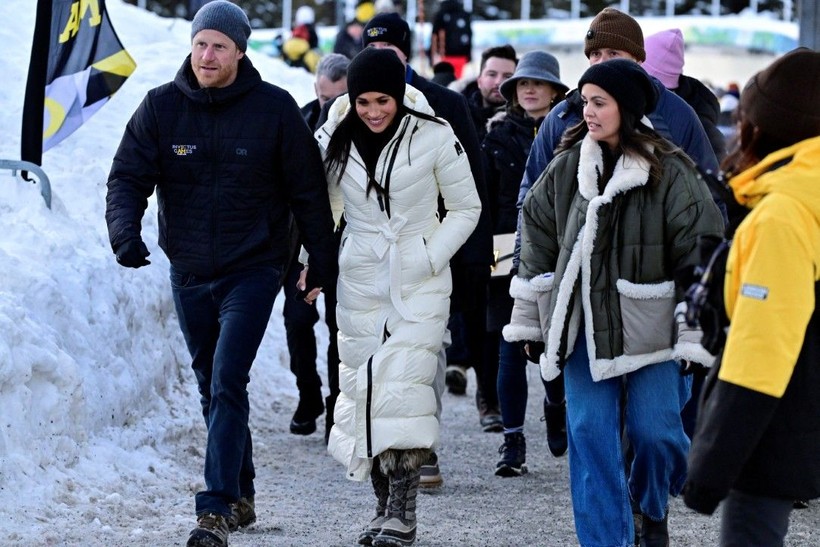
[(702, 500), (691, 367), (536, 349), (133, 254)]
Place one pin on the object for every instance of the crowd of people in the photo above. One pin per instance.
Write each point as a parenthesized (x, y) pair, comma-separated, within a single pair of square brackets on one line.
[(605, 230)]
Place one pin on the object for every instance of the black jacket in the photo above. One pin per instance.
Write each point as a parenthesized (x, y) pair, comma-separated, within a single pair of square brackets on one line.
[(346, 44), (310, 113), (452, 106), (505, 151), (478, 112), (706, 106), (229, 165)]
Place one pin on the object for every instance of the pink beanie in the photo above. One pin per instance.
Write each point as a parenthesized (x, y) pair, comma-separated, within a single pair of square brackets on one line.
[(664, 56)]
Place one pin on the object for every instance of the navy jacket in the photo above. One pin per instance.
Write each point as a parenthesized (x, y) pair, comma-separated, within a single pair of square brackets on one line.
[(229, 165)]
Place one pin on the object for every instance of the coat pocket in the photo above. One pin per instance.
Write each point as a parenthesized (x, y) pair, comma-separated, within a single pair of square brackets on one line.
[(543, 285), (647, 316), (415, 262)]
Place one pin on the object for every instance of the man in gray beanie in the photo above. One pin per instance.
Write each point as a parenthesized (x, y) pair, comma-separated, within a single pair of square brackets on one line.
[(231, 161), (214, 59), (225, 17)]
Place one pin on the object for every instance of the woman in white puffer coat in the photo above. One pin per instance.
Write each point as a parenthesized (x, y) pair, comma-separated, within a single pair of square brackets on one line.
[(388, 160)]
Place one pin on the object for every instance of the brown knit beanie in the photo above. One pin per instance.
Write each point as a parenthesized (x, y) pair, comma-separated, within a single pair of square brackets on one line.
[(613, 29), (783, 99)]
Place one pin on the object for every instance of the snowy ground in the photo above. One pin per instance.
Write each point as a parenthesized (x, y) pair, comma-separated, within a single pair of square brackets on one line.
[(100, 434)]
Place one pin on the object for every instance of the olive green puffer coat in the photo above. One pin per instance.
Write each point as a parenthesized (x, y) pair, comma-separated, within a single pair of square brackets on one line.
[(608, 261)]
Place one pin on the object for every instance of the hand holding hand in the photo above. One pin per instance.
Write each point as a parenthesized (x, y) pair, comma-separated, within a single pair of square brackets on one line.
[(308, 296)]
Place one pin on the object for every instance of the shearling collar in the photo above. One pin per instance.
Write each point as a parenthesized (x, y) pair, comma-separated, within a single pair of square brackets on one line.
[(630, 172)]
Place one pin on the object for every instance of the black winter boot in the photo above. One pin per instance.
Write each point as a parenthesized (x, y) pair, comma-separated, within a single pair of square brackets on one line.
[(381, 487), (399, 528), (513, 456), (555, 416), (655, 533), (309, 408)]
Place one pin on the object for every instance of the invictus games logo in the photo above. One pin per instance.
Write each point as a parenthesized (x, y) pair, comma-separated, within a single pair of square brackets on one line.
[(183, 149), (373, 32)]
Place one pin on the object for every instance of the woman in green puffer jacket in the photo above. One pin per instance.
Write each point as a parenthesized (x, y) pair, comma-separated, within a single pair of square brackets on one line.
[(615, 215)]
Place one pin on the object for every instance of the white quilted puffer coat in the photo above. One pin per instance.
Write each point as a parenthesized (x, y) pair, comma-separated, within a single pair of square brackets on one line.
[(394, 283)]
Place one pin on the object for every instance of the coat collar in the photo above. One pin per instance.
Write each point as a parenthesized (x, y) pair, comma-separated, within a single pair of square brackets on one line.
[(630, 172)]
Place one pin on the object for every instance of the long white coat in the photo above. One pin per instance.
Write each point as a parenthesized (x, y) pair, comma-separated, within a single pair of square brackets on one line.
[(394, 283)]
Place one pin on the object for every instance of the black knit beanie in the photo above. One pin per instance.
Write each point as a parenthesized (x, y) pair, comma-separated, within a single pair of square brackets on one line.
[(783, 100), (225, 17), (613, 29), (627, 82), (390, 28), (379, 70)]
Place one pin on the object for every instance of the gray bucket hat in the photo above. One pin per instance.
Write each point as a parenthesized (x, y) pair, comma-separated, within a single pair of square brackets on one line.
[(534, 65)]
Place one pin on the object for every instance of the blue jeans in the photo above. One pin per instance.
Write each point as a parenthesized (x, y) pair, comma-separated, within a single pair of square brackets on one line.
[(223, 320), (512, 383), (601, 493)]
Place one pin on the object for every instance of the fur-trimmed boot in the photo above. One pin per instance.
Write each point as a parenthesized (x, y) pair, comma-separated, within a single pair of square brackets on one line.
[(381, 487), (399, 527)]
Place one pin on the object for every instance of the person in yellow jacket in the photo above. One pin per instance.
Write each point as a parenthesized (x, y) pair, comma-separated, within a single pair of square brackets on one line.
[(757, 442)]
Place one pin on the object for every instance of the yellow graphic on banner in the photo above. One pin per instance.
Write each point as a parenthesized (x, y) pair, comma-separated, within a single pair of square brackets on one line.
[(78, 11)]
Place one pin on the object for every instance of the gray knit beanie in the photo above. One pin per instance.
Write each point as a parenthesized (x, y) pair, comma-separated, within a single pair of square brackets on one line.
[(225, 17)]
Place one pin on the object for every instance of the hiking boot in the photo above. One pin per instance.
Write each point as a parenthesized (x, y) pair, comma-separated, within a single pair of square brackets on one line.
[(381, 487), (488, 416), (399, 527), (555, 416), (211, 531), (243, 514), (654, 533), (430, 474), (304, 419), (455, 378), (513, 456)]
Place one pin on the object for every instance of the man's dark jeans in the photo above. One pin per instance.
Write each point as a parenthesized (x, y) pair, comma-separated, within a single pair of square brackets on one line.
[(223, 320)]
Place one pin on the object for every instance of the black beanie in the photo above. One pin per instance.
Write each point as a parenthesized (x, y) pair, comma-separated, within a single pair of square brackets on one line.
[(782, 99), (375, 69), (390, 28), (627, 82)]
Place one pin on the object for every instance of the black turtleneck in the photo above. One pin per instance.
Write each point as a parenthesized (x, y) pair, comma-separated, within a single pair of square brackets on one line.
[(370, 145)]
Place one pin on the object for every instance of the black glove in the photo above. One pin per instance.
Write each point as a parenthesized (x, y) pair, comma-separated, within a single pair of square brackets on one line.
[(133, 254), (536, 349), (702, 500), (690, 367)]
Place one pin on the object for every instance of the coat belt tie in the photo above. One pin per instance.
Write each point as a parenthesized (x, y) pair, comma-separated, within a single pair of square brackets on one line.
[(387, 241)]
